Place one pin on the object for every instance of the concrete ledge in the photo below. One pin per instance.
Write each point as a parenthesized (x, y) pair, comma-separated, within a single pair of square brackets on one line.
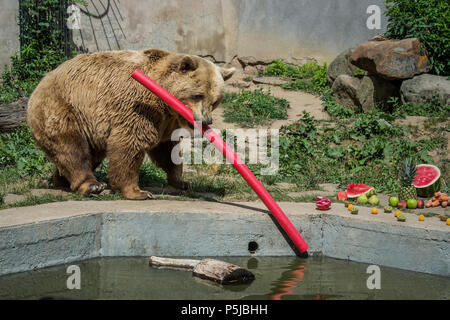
[(50, 234)]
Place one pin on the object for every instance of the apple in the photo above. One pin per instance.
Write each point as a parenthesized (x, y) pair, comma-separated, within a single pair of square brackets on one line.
[(411, 203), (393, 201), (420, 204), (402, 204), (342, 195)]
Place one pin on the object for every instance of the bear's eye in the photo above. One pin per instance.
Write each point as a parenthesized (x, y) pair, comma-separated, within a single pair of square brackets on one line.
[(198, 97)]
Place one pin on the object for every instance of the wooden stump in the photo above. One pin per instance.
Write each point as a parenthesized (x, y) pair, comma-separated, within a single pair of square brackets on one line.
[(222, 272)]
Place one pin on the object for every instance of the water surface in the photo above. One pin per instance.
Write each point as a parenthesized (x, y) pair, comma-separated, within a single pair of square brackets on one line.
[(276, 278)]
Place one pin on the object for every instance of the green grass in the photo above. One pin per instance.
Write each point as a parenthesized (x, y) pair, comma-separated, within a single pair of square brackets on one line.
[(252, 108), (310, 77)]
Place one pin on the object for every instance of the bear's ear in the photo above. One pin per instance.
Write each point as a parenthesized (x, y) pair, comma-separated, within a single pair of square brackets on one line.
[(187, 64), (227, 73), (155, 54)]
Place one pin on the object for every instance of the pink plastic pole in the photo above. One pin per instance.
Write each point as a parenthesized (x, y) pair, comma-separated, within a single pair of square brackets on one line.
[(215, 139)]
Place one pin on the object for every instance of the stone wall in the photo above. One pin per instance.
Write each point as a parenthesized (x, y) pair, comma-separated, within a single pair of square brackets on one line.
[(9, 30), (220, 28), (226, 28)]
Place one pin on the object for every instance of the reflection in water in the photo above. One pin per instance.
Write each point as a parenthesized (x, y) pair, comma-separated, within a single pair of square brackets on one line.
[(294, 276)]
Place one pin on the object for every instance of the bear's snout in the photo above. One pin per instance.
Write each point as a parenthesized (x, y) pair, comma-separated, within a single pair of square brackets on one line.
[(207, 122)]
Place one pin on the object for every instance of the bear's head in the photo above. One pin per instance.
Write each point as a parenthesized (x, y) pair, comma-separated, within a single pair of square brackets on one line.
[(196, 82)]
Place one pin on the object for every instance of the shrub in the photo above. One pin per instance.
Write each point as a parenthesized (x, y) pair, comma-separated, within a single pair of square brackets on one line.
[(427, 20), (18, 150)]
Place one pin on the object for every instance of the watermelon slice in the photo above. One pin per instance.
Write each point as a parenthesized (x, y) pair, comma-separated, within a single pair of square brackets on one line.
[(427, 180), (355, 190)]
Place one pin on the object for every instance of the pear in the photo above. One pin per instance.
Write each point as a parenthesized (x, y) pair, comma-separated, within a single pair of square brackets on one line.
[(362, 199), (373, 200)]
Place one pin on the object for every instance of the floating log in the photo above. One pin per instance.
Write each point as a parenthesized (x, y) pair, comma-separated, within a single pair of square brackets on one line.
[(13, 115), (209, 269)]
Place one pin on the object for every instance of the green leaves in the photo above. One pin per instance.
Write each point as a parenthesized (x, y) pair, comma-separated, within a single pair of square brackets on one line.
[(427, 20), (18, 150)]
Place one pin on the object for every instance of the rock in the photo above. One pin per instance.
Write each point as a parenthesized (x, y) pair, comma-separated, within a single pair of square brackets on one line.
[(345, 89), (240, 84), (13, 198), (341, 65), (235, 63), (274, 81), (52, 192), (298, 62), (391, 59), (106, 192), (252, 61), (426, 88), (374, 90), (251, 70)]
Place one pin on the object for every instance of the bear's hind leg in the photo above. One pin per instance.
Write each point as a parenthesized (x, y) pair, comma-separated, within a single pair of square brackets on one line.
[(73, 161), (59, 181), (123, 173), (162, 157)]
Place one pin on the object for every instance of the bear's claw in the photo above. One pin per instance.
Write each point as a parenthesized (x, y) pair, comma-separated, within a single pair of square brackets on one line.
[(96, 188)]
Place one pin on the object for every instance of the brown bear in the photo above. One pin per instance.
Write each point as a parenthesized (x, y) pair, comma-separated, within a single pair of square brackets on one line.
[(89, 109)]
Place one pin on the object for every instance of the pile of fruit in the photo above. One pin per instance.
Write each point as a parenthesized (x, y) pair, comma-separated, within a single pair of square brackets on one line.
[(362, 193), (439, 199), (416, 180)]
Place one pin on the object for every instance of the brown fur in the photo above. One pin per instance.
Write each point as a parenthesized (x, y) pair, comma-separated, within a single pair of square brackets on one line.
[(89, 108)]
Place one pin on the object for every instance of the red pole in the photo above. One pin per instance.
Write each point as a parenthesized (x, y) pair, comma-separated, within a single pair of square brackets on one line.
[(215, 139)]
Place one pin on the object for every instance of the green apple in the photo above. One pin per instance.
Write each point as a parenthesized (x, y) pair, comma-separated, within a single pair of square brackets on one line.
[(411, 203), (373, 200), (393, 201)]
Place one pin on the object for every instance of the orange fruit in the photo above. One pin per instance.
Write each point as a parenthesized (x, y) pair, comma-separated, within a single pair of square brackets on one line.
[(374, 210), (397, 213), (350, 207), (421, 217), (448, 221)]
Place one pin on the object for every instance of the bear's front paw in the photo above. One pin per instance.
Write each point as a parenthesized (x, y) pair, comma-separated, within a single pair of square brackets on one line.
[(91, 188), (96, 188)]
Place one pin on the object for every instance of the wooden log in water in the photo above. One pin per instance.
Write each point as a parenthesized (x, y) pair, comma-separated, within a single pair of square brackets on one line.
[(174, 263), (13, 115), (222, 272), (209, 269)]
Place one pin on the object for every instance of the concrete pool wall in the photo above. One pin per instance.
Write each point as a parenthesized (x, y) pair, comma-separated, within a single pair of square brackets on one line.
[(56, 233)]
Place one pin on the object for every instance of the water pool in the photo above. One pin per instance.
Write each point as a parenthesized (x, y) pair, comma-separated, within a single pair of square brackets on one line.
[(276, 278)]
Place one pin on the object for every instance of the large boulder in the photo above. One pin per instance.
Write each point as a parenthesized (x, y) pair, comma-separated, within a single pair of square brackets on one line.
[(374, 90), (252, 61), (391, 59), (426, 88), (345, 90), (341, 65)]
